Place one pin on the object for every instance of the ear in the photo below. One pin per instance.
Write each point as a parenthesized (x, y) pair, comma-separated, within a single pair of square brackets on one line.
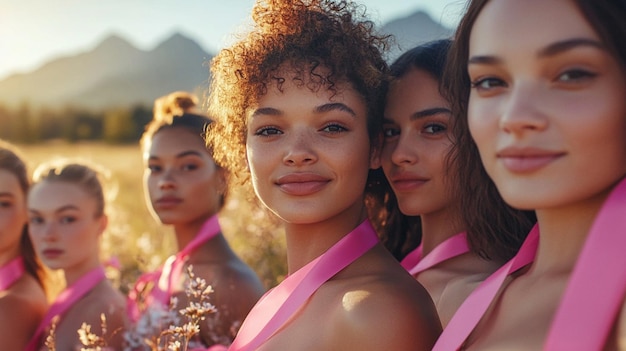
[(103, 222), (375, 152)]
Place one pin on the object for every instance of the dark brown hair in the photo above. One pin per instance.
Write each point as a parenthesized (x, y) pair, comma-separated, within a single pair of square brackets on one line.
[(11, 161)]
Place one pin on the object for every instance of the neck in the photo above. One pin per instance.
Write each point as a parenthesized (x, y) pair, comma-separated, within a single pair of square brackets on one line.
[(186, 232), (563, 234), (9, 255), (212, 251), (438, 227), (72, 274), (305, 242)]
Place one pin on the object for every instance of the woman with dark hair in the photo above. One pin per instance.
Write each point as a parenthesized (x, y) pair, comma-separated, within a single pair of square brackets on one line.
[(420, 192), (186, 189), (298, 107), (541, 104), (22, 291)]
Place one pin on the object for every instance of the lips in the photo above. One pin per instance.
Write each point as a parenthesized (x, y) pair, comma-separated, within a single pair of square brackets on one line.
[(302, 184), (168, 202), (407, 181), (527, 160), (51, 253)]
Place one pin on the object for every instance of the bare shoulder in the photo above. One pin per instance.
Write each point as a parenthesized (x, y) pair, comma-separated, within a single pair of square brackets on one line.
[(19, 318), (386, 310)]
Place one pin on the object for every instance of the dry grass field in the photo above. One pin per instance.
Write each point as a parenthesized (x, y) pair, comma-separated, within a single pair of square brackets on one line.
[(138, 241)]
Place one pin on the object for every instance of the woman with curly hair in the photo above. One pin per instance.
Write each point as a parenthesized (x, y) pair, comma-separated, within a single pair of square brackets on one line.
[(22, 291), (298, 103)]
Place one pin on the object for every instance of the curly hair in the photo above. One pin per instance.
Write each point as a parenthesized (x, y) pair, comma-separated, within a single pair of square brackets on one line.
[(302, 35)]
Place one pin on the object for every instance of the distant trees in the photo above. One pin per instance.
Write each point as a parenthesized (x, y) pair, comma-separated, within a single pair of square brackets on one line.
[(27, 125)]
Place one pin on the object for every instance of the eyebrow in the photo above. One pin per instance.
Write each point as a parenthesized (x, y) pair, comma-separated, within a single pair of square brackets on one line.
[(335, 106), (180, 155), (61, 209), (429, 112), (550, 50), (6, 194)]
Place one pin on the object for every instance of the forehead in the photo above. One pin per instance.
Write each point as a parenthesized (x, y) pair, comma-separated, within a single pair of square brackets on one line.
[(518, 26), (9, 183), (174, 140), (49, 195)]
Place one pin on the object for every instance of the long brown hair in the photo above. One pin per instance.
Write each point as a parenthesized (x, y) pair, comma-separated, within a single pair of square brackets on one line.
[(11, 161)]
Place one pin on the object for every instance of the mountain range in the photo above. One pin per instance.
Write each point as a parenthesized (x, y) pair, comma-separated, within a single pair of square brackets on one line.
[(117, 74)]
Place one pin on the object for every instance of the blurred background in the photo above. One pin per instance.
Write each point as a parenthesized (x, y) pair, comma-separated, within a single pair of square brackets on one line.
[(78, 79)]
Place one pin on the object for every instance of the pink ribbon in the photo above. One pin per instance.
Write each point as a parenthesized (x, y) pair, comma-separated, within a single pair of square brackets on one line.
[(593, 296), (11, 272), (66, 299), (280, 303), (452, 247), (165, 279), (597, 286), (474, 307)]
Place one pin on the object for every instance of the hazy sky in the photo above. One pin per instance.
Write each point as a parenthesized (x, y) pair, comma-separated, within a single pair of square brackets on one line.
[(34, 31)]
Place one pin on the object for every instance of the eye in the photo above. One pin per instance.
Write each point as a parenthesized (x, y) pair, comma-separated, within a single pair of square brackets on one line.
[(5, 204), (487, 83), (35, 220), (390, 132), (435, 128), (189, 167), (67, 219), (575, 76), (268, 131), (334, 128), (154, 168)]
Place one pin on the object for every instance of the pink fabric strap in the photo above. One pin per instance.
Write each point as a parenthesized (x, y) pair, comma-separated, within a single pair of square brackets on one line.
[(11, 272), (474, 307), (165, 279), (66, 299), (452, 247), (280, 303), (596, 289)]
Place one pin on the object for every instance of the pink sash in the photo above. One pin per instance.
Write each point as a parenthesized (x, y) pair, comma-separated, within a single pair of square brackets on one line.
[(165, 279), (474, 307), (11, 272), (452, 247), (66, 299), (596, 289), (280, 303)]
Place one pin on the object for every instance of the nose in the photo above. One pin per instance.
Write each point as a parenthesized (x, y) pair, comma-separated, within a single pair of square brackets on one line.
[(404, 152), (300, 149), (167, 180), (48, 232), (522, 110)]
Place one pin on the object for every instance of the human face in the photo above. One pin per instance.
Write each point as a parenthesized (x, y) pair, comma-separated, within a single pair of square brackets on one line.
[(64, 225), (12, 211), (309, 152), (183, 182), (417, 140), (547, 108)]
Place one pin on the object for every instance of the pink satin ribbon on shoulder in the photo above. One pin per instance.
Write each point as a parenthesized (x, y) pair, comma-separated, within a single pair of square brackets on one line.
[(454, 246), (66, 299), (474, 307), (280, 303), (11, 272), (165, 279), (597, 287), (593, 296)]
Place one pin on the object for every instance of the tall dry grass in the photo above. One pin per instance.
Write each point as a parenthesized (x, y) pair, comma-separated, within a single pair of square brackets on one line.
[(138, 241)]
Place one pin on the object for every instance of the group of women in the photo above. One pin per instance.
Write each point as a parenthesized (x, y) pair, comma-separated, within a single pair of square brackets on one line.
[(460, 198)]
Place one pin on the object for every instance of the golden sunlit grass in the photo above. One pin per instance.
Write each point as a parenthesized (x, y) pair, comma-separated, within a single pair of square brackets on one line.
[(138, 241)]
